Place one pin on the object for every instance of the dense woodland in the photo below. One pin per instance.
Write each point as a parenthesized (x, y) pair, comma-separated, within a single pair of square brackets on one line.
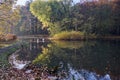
[(99, 18)]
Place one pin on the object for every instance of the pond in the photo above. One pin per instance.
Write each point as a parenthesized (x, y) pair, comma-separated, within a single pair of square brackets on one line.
[(81, 60)]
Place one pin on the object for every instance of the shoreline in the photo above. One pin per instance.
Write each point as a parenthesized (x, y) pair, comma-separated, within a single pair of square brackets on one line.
[(90, 38)]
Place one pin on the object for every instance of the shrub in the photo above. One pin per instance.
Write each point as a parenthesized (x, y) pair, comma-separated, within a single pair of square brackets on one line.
[(71, 35), (9, 37), (2, 37)]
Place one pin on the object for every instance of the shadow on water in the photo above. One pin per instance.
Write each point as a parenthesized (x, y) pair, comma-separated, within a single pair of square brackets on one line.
[(84, 60)]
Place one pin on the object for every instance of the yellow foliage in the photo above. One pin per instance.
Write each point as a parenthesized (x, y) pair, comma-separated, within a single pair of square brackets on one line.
[(72, 35)]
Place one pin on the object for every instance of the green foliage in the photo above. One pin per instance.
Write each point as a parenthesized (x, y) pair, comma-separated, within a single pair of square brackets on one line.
[(103, 19), (97, 18), (87, 27), (42, 10), (55, 28), (61, 16)]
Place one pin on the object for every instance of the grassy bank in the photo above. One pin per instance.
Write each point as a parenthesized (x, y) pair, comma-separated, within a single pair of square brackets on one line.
[(72, 35), (76, 35), (4, 54)]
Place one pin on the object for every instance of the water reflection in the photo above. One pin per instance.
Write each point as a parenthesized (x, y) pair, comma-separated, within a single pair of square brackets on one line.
[(98, 57)]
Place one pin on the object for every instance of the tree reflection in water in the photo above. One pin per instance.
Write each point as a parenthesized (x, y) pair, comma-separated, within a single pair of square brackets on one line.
[(89, 57)]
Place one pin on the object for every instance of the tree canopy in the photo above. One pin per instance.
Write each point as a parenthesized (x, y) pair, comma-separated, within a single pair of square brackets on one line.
[(95, 17)]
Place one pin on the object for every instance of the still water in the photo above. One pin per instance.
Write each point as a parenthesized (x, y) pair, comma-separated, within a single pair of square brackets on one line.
[(83, 60)]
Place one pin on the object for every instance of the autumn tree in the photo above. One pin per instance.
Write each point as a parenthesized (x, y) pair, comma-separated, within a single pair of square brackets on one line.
[(9, 16)]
